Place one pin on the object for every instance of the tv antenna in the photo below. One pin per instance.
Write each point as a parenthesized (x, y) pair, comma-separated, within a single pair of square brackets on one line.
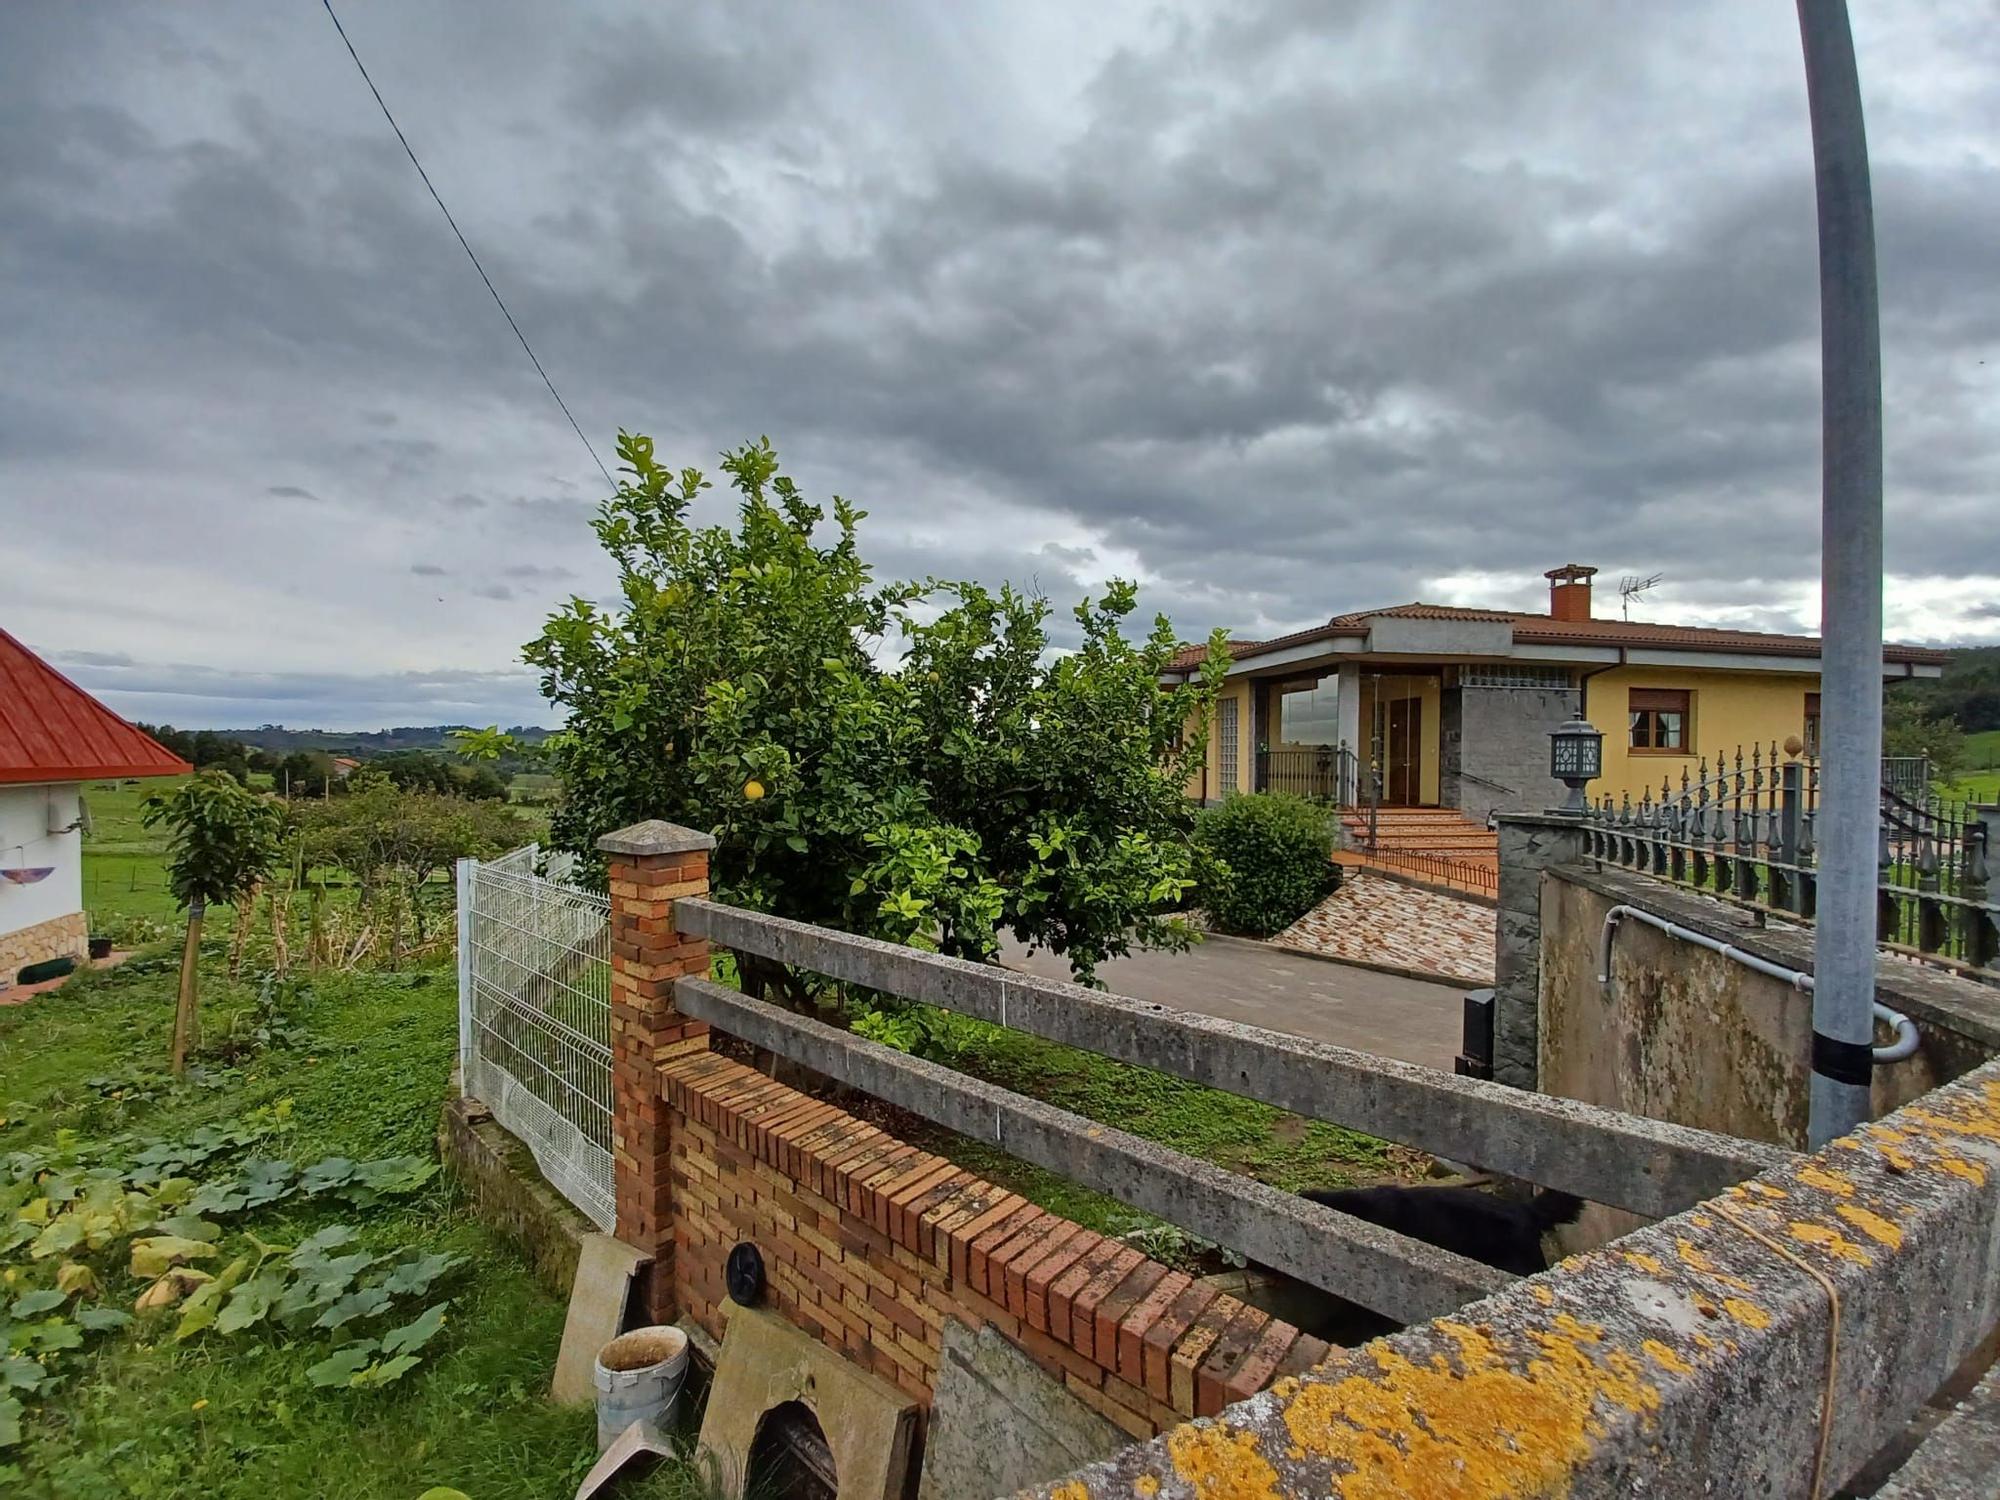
[(1631, 586)]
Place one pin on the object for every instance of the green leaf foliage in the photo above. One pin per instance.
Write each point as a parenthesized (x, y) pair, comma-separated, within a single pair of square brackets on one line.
[(1266, 862), (221, 838), (341, 1366), (413, 1335), (987, 784)]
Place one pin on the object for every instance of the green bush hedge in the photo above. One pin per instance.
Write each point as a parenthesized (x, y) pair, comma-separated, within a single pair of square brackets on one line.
[(1267, 861)]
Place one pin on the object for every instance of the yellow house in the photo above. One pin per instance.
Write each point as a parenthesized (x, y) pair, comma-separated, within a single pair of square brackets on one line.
[(1453, 707)]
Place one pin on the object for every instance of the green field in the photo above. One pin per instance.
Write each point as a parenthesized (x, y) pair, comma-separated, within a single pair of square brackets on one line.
[(124, 862), (1982, 780)]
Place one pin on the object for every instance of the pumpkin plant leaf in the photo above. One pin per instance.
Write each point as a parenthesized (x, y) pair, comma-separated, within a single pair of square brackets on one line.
[(321, 1176), (362, 1304), (158, 1254), (28, 1304), (416, 1333), (20, 1373), (414, 1277), (251, 1302), (383, 1373), (97, 1319), (395, 1174), (341, 1366)]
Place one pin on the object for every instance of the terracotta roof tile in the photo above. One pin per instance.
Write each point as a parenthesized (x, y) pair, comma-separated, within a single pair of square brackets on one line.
[(52, 730), (1195, 655), (1546, 630)]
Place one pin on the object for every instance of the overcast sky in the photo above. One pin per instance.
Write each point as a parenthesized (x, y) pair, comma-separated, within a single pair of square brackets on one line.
[(1284, 307)]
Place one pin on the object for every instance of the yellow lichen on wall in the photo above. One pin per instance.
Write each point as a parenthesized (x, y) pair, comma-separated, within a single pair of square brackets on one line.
[(1473, 1425), (1872, 1224), (1832, 1241)]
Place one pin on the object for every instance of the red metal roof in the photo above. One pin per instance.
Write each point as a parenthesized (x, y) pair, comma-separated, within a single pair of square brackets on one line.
[(52, 730)]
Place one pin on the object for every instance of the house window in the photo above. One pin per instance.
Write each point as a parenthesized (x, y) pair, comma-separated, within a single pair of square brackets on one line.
[(1812, 724), (1225, 745), (1660, 720), (1309, 712)]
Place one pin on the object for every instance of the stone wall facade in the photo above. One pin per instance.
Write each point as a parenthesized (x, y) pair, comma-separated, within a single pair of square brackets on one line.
[(1529, 847), (874, 1246), (60, 937), (1500, 735)]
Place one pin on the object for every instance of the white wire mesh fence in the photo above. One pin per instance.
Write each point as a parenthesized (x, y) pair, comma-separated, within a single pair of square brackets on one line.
[(534, 1004)]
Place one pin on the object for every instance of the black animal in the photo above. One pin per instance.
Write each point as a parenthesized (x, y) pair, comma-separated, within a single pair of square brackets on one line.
[(1500, 1232)]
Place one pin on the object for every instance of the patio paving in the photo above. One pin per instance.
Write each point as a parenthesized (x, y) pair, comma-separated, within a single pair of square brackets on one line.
[(1370, 920), (1237, 979)]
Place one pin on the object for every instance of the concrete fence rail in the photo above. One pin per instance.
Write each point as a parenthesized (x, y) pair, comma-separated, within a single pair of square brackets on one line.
[(1767, 1342), (1646, 1166)]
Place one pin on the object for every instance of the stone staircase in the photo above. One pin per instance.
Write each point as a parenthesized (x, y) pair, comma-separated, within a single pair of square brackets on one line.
[(1435, 846)]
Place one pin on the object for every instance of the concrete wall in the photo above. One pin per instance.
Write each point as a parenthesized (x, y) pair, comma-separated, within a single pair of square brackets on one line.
[(1502, 735), (44, 920), (27, 813), (1728, 709), (875, 1246), (1686, 1035)]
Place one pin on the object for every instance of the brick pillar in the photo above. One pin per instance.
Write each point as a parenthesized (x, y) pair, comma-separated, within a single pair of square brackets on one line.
[(652, 865)]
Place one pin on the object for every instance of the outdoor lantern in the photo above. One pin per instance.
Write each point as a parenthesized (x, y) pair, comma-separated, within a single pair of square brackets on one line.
[(1576, 756)]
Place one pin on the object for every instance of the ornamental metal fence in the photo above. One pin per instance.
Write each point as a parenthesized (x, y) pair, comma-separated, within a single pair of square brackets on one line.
[(1743, 830), (534, 1007)]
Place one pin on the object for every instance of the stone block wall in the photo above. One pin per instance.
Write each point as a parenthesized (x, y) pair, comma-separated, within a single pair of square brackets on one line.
[(60, 937), (874, 1246), (1501, 735)]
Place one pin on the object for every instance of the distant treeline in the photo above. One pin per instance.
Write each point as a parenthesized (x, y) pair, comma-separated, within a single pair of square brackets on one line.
[(318, 773), (1968, 692), (362, 744)]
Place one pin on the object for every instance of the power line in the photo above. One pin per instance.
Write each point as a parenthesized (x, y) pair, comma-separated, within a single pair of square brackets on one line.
[(463, 245)]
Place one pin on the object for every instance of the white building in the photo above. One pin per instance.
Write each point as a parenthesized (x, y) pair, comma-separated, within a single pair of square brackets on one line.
[(53, 738)]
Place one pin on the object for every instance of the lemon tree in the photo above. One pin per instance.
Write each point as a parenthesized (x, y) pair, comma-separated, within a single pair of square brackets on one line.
[(913, 761)]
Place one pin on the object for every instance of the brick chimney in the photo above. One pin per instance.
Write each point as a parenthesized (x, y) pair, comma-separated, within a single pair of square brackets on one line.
[(1569, 591)]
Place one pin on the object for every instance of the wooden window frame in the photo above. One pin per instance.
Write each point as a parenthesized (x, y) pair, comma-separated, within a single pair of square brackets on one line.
[(1655, 701)]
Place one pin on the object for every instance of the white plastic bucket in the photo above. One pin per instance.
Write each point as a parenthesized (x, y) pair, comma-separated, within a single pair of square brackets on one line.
[(638, 1376)]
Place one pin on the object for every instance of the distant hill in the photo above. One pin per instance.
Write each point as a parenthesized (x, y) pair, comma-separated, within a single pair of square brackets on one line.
[(363, 743)]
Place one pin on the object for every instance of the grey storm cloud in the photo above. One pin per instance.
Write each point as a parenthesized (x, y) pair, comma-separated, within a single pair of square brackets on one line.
[(1281, 308)]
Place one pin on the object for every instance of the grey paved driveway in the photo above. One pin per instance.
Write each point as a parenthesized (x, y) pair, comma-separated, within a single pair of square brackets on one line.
[(1411, 1019)]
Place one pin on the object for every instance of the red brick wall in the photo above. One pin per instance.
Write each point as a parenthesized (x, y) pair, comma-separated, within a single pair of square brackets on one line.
[(872, 1244)]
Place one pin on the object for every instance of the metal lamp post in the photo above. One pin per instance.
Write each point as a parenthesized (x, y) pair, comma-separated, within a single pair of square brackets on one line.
[(1850, 580), (1576, 758)]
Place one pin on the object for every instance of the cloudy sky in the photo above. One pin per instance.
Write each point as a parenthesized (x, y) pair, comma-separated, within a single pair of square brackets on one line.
[(1283, 308)]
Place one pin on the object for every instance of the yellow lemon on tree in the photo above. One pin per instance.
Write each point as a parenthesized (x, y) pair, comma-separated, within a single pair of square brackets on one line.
[(753, 789)]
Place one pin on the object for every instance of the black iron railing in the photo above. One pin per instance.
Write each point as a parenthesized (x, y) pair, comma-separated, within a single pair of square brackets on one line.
[(1744, 831), (1323, 773)]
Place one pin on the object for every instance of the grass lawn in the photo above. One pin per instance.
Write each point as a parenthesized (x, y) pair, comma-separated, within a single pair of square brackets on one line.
[(136, 1414), (1258, 1140)]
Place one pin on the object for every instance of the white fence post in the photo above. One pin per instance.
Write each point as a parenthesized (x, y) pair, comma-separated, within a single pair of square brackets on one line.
[(465, 919)]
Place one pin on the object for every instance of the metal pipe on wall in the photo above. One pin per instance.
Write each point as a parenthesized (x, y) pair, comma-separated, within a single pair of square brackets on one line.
[(1850, 577)]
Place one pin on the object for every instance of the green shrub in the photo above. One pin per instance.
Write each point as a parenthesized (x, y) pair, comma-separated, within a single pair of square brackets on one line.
[(1266, 861)]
